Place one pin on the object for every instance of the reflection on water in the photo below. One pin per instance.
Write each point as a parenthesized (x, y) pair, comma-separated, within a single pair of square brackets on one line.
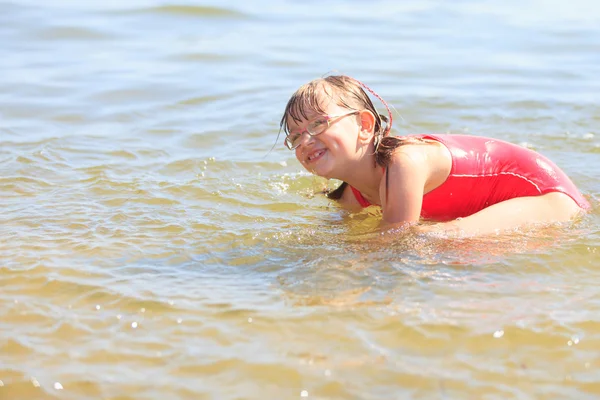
[(153, 246)]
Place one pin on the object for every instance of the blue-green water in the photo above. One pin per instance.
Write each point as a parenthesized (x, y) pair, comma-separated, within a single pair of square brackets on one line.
[(153, 246)]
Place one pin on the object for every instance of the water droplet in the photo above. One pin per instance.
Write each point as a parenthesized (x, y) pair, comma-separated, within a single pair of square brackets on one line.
[(179, 320), (58, 386), (304, 393), (118, 316), (16, 301), (327, 372), (143, 310), (35, 382), (97, 306), (570, 343), (205, 162), (1, 383), (575, 339), (171, 303), (250, 320), (284, 164), (498, 334), (134, 325)]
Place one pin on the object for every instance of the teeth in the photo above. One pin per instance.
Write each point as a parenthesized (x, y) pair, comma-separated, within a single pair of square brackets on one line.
[(314, 155)]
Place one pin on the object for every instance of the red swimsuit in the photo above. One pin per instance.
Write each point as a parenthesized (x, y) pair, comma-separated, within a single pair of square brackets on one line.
[(487, 171)]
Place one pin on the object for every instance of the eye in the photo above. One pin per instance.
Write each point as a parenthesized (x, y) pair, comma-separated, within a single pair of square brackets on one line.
[(317, 126), (293, 137)]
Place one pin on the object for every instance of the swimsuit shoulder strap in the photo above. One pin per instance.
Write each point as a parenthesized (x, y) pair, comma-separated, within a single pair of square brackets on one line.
[(359, 197)]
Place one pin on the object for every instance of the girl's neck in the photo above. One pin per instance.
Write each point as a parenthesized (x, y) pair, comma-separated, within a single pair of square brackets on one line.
[(365, 176)]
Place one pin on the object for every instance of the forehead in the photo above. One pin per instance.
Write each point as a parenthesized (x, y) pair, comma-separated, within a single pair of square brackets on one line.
[(309, 102)]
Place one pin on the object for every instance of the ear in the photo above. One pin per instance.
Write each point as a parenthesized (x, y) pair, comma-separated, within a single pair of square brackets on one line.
[(367, 123)]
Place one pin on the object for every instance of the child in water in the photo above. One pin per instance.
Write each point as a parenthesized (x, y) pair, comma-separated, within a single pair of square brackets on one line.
[(468, 184)]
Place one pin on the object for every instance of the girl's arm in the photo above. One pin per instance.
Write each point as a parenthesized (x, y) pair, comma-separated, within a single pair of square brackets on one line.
[(401, 189)]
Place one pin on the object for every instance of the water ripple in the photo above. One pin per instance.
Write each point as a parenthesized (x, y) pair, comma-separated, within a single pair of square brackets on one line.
[(155, 232), (204, 12)]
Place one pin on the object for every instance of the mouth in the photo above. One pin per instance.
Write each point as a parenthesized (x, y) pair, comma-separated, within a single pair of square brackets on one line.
[(315, 155)]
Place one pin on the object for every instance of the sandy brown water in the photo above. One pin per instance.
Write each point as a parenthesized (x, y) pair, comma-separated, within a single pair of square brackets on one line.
[(153, 247)]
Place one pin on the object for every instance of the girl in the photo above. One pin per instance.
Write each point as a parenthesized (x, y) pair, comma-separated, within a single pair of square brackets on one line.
[(469, 184)]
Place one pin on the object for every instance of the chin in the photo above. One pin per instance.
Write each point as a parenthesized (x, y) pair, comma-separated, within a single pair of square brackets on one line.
[(319, 172), (323, 174)]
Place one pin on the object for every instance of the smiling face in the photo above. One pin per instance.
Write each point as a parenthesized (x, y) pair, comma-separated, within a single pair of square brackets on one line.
[(337, 104), (336, 142)]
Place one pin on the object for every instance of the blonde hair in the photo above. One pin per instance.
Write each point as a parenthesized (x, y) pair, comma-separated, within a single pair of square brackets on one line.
[(349, 93), (343, 90)]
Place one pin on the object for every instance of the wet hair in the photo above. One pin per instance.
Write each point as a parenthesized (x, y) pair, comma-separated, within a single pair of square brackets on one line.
[(349, 93)]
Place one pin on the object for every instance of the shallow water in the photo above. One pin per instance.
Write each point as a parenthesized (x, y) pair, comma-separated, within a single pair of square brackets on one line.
[(154, 247)]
